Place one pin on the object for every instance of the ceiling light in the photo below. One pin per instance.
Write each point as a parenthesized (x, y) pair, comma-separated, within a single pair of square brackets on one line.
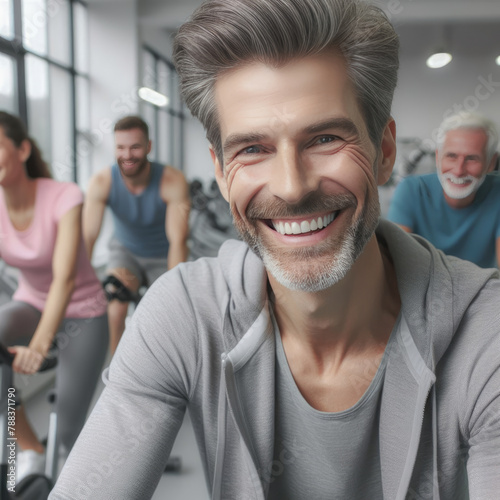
[(439, 59), (497, 60), (153, 97)]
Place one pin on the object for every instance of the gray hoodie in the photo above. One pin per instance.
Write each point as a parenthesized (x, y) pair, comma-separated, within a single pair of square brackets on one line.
[(202, 340)]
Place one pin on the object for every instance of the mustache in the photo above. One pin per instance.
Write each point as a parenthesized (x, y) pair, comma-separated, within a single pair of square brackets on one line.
[(469, 178), (314, 203)]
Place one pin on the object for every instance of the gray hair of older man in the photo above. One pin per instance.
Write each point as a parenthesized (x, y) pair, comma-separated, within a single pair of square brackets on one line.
[(223, 34), (470, 121)]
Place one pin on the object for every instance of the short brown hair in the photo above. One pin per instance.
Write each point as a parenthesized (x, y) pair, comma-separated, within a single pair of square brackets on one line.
[(131, 122)]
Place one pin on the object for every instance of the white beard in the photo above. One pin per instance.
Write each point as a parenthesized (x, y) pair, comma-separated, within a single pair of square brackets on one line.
[(456, 192)]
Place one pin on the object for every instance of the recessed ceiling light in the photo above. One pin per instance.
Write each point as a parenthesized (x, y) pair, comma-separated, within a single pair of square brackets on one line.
[(153, 97), (497, 60), (439, 59)]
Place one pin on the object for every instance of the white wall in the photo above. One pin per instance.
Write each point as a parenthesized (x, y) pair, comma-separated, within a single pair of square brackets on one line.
[(114, 70), (196, 155), (197, 161), (424, 96), (158, 39)]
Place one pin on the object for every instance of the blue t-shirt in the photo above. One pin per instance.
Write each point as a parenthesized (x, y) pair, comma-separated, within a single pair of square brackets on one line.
[(469, 233)]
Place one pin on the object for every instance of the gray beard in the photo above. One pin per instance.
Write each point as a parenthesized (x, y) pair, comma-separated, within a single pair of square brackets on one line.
[(320, 276)]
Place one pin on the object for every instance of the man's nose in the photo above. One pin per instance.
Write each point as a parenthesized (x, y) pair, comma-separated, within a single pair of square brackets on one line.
[(291, 179), (460, 169)]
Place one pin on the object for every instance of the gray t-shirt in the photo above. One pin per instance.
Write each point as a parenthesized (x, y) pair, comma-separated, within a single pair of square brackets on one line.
[(321, 455)]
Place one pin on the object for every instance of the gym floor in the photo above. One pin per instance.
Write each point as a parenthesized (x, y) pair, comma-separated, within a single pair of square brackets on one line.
[(189, 483)]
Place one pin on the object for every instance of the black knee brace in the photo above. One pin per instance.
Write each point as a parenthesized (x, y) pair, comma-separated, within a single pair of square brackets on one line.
[(115, 289)]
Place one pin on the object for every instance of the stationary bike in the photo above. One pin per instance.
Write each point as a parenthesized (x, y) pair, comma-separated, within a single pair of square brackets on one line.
[(34, 486)]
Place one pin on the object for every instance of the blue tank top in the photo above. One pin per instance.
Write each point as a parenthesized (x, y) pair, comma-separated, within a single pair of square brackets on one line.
[(139, 219)]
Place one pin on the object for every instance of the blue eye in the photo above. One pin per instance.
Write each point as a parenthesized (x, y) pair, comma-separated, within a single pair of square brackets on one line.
[(326, 139), (251, 150)]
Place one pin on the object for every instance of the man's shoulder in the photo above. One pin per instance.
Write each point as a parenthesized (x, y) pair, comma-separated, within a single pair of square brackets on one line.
[(173, 183), (429, 181), (100, 184), (479, 327), (494, 179), (171, 174)]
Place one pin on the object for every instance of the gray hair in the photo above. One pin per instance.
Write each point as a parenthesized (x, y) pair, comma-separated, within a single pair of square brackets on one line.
[(222, 34), (470, 121)]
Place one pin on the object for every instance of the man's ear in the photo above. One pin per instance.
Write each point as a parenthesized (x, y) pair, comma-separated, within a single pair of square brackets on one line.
[(493, 162), (388, 153), (148, 150), (219, 174)]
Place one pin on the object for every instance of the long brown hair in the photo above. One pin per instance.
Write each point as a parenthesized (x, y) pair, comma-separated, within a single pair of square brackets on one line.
[(15, 130)]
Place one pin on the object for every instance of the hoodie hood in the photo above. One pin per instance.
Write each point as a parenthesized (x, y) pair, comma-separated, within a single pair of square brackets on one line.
[(436, 290)]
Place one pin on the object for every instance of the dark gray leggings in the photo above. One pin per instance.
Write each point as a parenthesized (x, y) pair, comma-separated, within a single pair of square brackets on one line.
[(82, 346)]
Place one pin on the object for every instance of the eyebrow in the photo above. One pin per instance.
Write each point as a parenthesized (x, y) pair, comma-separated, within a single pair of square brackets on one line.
[(344, 124), (235, 140)]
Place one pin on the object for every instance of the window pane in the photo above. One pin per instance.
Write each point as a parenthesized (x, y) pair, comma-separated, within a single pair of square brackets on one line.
[(176, 98), (177, 143), (8, 94), (6, 24), (148, 114), (163, 137), (80, 19), (61, 124), (37, 95), (83, 163), (164, 80), (148, 70), (35, 25), (59, 31), (82, 104)]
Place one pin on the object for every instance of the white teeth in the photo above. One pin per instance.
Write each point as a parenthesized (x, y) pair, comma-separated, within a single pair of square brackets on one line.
[(304, 226)]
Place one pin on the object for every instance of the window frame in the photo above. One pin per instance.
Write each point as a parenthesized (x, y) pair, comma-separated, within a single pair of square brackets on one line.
[(175, 117), (15, 48)]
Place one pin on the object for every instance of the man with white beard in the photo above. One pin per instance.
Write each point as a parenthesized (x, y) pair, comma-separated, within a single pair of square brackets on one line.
[(458, 208)]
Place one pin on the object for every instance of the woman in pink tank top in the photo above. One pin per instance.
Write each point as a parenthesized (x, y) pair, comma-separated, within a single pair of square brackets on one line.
[(59, 301)]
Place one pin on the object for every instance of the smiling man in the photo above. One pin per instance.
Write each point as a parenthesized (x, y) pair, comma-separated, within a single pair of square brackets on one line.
[(149, 203), (330, 354), (457, 209)]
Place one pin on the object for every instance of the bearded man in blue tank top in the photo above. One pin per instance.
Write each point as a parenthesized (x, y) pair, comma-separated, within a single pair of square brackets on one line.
[(150, 207)]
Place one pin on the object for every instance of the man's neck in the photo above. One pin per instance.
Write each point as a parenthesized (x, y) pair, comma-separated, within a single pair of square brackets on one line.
[(357, 313), (460, 203), (138, 183)]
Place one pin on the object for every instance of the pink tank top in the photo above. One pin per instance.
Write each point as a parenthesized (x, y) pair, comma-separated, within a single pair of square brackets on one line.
[(31, 251)]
